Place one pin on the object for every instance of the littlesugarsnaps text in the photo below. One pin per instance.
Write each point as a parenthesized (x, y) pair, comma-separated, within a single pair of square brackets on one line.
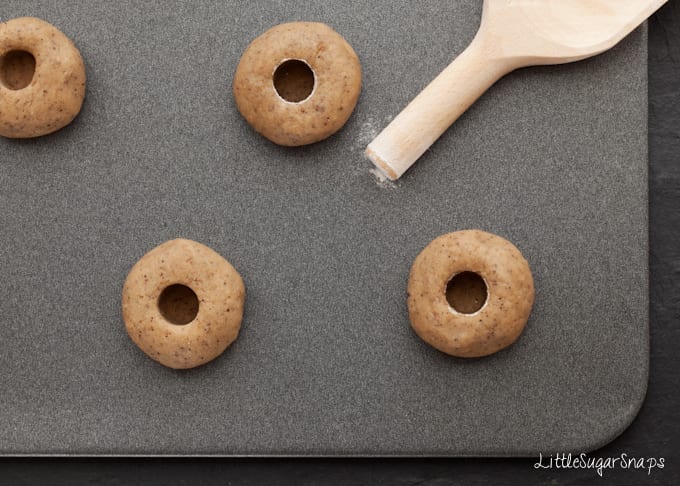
[(598, 464)]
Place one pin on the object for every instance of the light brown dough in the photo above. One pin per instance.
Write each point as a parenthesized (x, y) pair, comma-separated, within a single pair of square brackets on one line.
[(479, 327), (162, 317), (335, 85), (42, 79)]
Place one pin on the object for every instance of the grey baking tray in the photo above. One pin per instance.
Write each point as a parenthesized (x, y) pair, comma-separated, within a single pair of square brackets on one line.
[(552, 158)]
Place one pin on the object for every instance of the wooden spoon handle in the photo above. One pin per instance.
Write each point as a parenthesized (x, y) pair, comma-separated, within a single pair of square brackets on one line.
[(435, 109)]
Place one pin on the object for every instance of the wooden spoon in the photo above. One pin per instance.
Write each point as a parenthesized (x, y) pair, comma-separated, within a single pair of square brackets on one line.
[(513, 34)]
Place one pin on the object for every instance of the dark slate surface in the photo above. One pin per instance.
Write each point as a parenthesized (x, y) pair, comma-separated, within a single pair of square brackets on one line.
[(552, 158)]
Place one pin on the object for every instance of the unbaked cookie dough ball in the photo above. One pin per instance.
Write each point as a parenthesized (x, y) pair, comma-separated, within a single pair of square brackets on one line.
[(42, 78), (183, 304), (470, 293), (298, 83)]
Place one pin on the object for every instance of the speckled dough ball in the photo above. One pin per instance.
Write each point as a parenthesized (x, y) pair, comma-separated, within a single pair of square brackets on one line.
[(470, 293), (298, 83), (42, 79), (183, 304)]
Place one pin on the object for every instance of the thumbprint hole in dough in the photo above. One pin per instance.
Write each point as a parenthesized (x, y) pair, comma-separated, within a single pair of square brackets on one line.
[(294, 81), (466, 292), (17, 69), (178, 304)]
